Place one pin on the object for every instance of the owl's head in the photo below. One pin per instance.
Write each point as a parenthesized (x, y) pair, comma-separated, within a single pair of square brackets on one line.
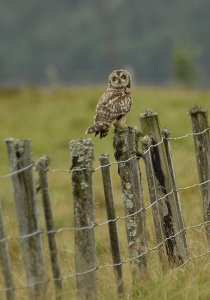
[(119, 79)]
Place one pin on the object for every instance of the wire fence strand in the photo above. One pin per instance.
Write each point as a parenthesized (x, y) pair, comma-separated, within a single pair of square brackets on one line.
[(91, 226), (111, 220), (60, 170), (128, 260)]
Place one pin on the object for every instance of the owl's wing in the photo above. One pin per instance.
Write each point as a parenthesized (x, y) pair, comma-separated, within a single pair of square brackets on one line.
[(112, 105)]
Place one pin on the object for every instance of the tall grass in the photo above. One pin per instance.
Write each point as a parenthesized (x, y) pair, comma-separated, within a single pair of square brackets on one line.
[(52, 117)]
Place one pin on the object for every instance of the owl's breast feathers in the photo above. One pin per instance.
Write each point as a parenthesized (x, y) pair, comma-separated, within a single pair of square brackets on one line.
[(113, 105)]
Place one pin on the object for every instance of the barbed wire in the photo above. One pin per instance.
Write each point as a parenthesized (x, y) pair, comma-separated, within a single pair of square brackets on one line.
[(107, 165), (112, 265)]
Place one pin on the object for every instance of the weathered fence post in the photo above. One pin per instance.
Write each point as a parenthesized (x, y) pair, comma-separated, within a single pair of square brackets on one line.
[(110, 209), (85, 251), (42, 166), (168, 208), (5, 262), (200, 124), (168, 152), (19, 153), (146, 144), (126, 150)]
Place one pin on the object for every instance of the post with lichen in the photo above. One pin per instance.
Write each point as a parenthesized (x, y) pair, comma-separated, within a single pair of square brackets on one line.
[(110, 209), (126, 153), (171, 223), (19, 152), (5, 262), (85, 250), (42, 167), (200, 126)]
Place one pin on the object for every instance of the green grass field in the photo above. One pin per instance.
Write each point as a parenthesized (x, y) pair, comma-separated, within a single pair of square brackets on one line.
[(50, 118)]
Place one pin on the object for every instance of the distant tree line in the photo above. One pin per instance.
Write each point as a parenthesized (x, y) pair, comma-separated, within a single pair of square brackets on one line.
[(73, 41)]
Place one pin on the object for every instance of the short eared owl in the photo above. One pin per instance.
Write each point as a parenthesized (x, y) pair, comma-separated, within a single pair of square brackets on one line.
[(113, 105)]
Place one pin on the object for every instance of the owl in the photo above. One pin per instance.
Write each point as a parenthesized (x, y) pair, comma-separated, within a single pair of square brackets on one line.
[(114, 104)]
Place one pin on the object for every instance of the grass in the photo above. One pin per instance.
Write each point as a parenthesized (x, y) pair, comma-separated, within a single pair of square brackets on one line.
[(52, 117)]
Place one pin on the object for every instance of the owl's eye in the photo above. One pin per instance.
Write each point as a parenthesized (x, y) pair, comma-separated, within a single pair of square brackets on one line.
[(123, 77), (114, 78)]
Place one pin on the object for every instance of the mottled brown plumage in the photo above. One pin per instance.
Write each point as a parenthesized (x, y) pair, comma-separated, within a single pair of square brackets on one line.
[(113, 105)]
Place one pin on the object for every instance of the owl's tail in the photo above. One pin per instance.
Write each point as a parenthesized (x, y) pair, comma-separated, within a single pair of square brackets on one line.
[(102, 129)]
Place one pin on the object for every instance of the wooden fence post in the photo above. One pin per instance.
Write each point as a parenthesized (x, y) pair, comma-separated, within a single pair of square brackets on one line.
[(42, 166), (171, 169), (146, 144), (5, 262), (19, 153), (126, 151), (199, 117), (110, 209), (169, 211), (85, 249)]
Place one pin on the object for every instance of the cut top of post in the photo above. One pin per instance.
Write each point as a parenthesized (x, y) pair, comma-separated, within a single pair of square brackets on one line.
[(148, 113), (199, 118), (125, 142), (21, 148), (82, 152), (195, 109), (150, 124), (103, 157), (43, 162)]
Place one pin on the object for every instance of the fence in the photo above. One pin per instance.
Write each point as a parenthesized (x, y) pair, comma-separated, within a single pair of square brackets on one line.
[(170, 231)]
